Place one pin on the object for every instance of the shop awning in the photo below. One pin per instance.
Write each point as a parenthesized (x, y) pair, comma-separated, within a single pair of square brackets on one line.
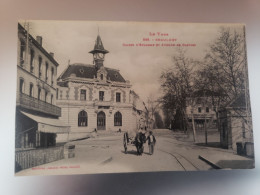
[(48, 125)]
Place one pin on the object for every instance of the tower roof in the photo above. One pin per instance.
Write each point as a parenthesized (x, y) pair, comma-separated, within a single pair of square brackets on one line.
[(99, 48)]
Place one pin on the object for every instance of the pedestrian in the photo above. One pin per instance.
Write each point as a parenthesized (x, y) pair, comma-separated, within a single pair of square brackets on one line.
[(151, 142), (125, 141), (139, 140)]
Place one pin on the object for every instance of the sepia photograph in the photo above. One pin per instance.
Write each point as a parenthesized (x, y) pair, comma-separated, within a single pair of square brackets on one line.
[(119, 97)]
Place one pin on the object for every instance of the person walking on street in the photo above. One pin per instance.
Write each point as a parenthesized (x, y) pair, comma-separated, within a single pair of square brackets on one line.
[(125, 141), (151, 142)]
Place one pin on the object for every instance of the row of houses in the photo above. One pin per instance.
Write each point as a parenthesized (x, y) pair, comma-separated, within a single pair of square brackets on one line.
[(85, 98)]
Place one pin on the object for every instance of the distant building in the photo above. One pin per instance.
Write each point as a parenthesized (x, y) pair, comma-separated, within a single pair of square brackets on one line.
[(37, 115), (235, 124), (140, 111), (204, 112), (95, 97)]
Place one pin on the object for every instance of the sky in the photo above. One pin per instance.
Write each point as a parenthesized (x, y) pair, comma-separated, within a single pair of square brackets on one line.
[(141, 65)]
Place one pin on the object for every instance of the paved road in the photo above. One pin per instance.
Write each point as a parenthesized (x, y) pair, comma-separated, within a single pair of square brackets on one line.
[(105, 154)]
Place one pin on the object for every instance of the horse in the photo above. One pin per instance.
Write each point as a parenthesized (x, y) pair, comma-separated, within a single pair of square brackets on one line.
[(140, 139)]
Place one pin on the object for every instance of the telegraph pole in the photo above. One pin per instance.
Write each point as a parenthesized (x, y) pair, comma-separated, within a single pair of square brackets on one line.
[(205, 128)]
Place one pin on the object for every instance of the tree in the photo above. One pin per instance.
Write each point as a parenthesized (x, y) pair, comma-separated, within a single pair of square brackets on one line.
[(177, 85), (225, 62), (225, 70), (158, 120), (152, 107)]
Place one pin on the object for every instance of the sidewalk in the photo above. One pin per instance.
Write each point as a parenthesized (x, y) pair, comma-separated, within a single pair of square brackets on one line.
[(213, 154)]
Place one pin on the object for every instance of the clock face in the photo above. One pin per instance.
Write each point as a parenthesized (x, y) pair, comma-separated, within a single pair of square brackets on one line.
[(99, 56)]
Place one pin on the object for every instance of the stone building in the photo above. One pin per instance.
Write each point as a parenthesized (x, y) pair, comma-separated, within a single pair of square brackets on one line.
[(37, 115), (95, 97)]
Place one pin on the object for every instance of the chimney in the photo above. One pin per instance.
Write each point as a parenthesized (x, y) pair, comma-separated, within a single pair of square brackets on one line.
[(39, 40), (52, 54)]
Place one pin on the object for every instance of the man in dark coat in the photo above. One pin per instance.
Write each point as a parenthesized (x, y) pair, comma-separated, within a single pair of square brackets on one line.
[(139, 141), (125, 141), (151, 142)]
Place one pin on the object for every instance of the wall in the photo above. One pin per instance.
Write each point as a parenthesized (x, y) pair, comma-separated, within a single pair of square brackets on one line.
[(34, 77)]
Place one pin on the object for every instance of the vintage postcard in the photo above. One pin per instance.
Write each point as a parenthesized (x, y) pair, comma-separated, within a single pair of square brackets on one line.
[(119, 97)]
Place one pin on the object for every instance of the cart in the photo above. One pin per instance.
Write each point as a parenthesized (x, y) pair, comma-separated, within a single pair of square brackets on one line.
[(130, 142)]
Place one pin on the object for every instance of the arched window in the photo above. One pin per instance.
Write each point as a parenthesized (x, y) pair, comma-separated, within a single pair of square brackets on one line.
[(82, 118), (118, 119)]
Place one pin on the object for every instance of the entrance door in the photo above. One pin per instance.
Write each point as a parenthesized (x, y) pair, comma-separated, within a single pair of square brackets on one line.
[(101, 121)]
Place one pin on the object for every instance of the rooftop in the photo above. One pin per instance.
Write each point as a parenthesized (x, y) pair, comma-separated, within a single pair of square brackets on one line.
[(90, 72)]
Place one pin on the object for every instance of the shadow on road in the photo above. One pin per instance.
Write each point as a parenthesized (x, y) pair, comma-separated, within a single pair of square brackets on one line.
[(130, 152), (210, 144), (133, 152)]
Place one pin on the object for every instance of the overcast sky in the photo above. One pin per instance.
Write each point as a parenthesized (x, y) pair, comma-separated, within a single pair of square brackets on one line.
[(142, 66)]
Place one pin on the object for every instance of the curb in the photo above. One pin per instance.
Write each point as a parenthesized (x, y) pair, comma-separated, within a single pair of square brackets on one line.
[(209, 162)]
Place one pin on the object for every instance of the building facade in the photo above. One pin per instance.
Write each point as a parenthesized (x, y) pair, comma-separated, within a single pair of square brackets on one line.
[(202, 109), (140, 111), (36, 112), (95, 97)]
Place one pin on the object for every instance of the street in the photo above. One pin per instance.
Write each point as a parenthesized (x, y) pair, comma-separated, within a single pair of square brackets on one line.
[(105, 154)]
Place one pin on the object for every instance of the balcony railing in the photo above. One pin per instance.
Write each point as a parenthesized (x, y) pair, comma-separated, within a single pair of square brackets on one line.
[(28, 102), (103, 103)]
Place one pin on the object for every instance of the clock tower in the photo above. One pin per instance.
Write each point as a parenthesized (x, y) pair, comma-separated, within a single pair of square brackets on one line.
[(99, 53)]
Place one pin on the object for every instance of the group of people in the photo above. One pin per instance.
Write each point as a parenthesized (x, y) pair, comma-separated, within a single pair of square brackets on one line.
[(139, 141)]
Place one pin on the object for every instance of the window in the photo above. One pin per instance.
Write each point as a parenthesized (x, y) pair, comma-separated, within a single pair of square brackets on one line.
[(101, 77), (31, 90), (199, 109), (22, 52), (40, 67), (207, 109), (82, 119), (118, 119), (101, 96), (46, 72), (21, 88), (46, 95), (39, 93), (83, 94), (52, 75), (243, 130), (118, 97), (51, 98), (32, 61), (57, 93)]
